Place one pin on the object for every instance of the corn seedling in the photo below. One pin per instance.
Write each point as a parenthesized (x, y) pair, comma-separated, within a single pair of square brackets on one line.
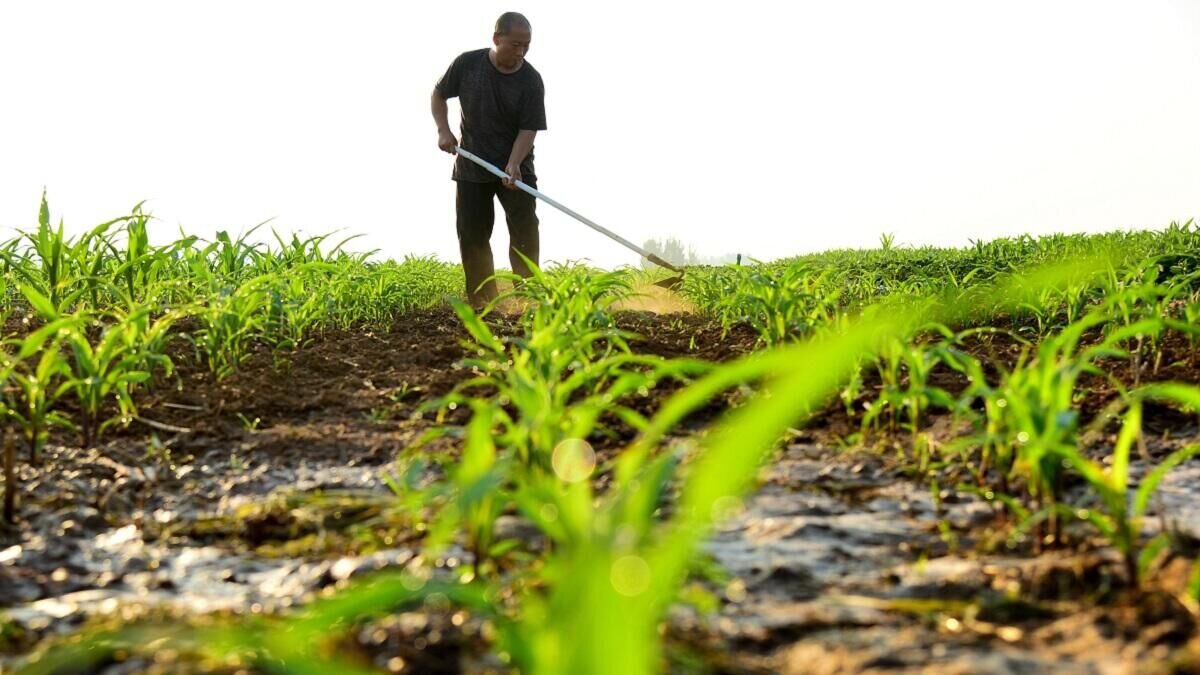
[(35, 369), (1115, 517)]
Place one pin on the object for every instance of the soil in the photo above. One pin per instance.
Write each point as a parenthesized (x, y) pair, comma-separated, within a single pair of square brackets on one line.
[(253, 492)]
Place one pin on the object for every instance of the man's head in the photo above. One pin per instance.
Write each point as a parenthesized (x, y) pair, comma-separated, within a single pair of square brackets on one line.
[(511, 38)]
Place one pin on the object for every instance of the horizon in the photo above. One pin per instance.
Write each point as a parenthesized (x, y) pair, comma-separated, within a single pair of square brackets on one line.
[(338, 240)]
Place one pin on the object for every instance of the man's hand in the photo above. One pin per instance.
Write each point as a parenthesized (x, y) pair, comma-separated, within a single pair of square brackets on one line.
[(447, 142), (520, 150), (514, 174)]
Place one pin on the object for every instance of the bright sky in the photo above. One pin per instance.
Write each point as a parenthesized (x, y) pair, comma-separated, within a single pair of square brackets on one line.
[(777, 129)]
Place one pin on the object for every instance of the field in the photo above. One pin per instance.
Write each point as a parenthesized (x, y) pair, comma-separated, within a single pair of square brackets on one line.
[(227, 457)]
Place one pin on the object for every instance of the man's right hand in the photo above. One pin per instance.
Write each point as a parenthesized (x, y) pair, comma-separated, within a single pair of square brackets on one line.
[(447, 142)]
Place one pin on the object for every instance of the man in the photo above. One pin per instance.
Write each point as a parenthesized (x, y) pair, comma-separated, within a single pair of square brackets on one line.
[(503, 107)]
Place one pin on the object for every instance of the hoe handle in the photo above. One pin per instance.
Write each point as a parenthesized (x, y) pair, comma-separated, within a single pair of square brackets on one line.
[(608, 233)]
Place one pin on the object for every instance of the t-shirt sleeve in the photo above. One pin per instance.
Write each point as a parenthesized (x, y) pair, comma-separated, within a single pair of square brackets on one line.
[(448, 86), (533, 110)]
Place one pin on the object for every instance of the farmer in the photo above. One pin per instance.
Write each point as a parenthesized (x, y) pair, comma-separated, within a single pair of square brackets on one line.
[(503, 107)]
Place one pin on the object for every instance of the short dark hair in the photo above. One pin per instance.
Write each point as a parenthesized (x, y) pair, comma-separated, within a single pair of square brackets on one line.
[(511, 20)]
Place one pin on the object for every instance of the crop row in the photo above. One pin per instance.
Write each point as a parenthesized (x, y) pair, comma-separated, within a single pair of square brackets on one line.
[(88, 320), (620, 551)]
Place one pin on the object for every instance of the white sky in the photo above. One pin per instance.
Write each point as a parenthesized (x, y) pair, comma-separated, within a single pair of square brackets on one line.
[(772, 130)]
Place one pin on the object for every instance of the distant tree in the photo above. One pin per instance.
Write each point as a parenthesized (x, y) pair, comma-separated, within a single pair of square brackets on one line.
[(672, 250), (676, 252)]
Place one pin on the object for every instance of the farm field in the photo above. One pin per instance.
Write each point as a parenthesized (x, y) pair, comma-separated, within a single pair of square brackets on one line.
[(229, 457)]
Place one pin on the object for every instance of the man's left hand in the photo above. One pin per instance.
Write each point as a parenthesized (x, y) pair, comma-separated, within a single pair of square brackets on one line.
[(514, 174)]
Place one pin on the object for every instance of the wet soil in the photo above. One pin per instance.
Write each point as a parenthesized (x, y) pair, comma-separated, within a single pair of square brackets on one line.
[(254, 492)]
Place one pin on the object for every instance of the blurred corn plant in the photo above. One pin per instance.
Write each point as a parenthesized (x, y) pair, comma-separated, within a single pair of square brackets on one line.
[(858, 277), (906, 367), (1140, 294), (569, 298), (569, 365), (790, 304), (547, 391)]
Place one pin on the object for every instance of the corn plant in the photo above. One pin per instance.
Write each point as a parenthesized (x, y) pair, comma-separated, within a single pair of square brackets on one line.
[(298, 252), (1176, 309), (567, 298), (888, 366), (557, 381), (233, 259), (231, 323), (1031, 416), (920, 396), (479, 479), (36, 369), (10, 476), (140, 270), (108, 369), (77, 271), (852, 390), (295, 305), (59, 260), (377, 293), (791, 304), (1135, 296), (1115, 517), (548, 390)]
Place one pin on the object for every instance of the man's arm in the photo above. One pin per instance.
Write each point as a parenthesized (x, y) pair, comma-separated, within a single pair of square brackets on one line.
[(520, 151), (446, 140)]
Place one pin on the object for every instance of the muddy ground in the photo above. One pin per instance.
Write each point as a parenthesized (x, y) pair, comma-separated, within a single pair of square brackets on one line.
[(251, 493)]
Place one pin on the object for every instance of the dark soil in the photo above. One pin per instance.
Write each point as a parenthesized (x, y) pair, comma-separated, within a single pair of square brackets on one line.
[(840, 562)]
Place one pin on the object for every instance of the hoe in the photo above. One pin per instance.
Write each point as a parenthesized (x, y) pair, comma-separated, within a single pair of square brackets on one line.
[(670, 283)]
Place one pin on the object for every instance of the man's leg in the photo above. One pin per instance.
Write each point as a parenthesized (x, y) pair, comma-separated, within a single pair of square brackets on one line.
[(476, 215), (521, 214)]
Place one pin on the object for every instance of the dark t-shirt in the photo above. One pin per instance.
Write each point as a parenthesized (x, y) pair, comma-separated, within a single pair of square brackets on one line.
[(495, 106)]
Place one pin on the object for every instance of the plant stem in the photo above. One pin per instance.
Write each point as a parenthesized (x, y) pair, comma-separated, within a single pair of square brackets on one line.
[(10, 478)]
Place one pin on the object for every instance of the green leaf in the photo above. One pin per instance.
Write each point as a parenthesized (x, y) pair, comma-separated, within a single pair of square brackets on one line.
[(1130, 428), (1183, 394), (636, 504), (40, 303), (1090, 470), (34, 341), (44, 211), (479, 452), (503, 546), (476, 327), (1150, 552), (1104, 524), (1150, 483)]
